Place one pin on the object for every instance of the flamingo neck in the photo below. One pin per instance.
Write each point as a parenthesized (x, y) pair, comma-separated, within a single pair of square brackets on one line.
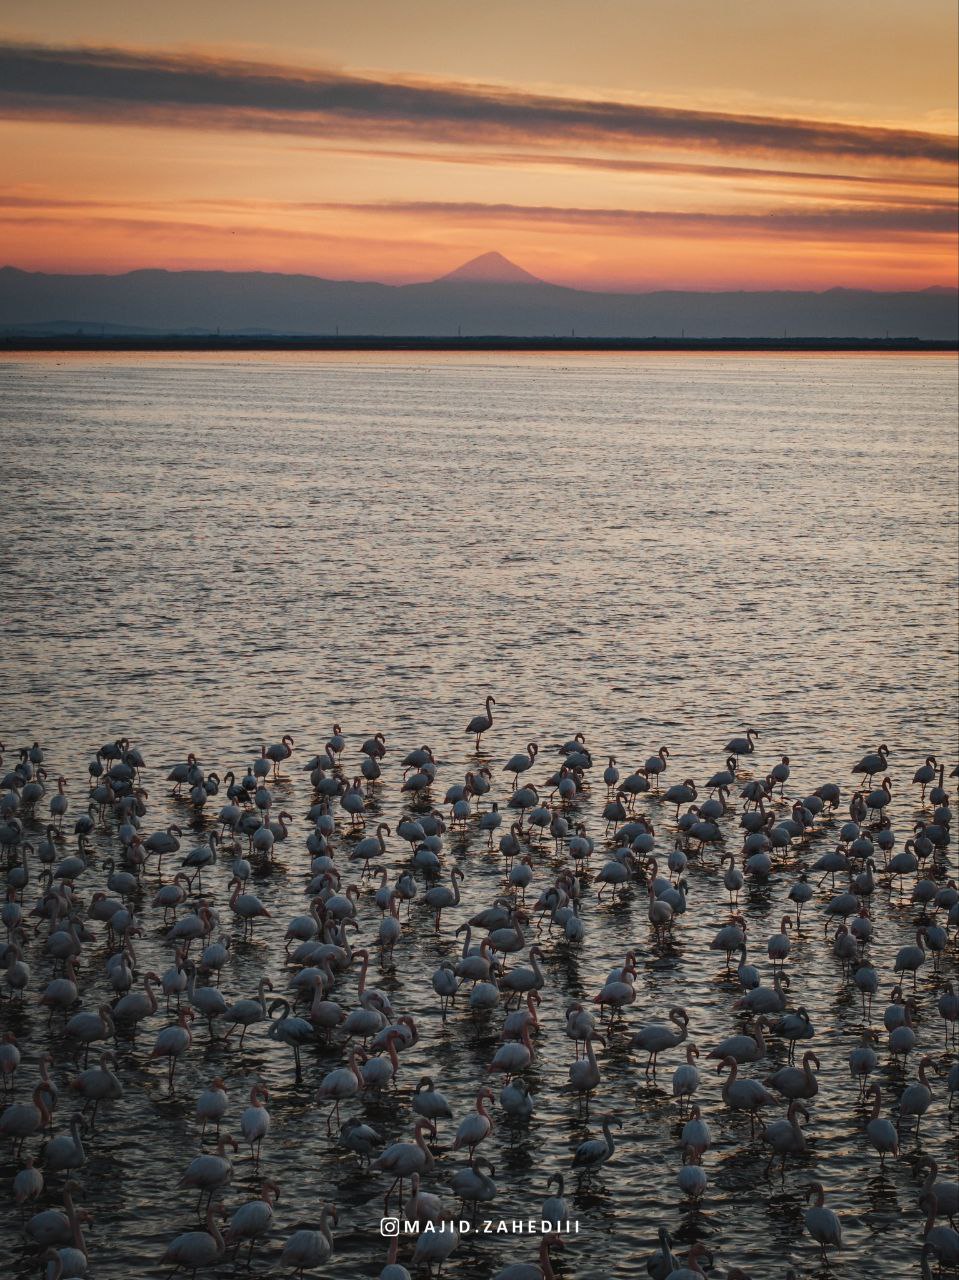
[(213, 1229)]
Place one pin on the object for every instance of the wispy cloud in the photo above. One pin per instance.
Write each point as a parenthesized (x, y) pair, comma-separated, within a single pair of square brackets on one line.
[(126, 86), (285, 217), (882, 187), (841, 223)]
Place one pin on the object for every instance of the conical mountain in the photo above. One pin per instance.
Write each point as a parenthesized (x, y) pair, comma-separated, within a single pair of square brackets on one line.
[(490, 268)]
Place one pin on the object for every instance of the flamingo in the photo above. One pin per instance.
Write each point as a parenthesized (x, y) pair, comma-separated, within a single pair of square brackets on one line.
[(522, 761), (520, 981), (374, 748), (617, 992), (246, 1013), (471, 1185), (555, 1210), (692, 1181), (656, 1038), (785, 1137), (255, 1120), (360, 1138), (795, 1082), (513, 1056), (337, 742), (744, 1095), (821, 1223), (663, 1262), (172, 895), (516, 1100), (277, 752), (902, 1038), (440, 897), (695, 1137), (946, 1191), (130, 1010), (476, 1126), (371, 847), (446, 984), (209, 1001), (611, 776), (21, 1120), (73, 1257), (539, 1270), (163, 843), (742, 746), (881, 1132), (339, 1085), (656, 765), (750, 1047), (482, 723), (51, 1227), (195, 1249), (9, 1060), (941, 1243), (580, 1023), (730, 938), (434, 1247), (910, 959), (210, 1173), (691, 1270), (246, 906), (584, 1072), (59, 803), (659, 914), (90, 1027), (925, 774), (777, 947), (253, 1219), (794, 1027), (297, 1032), (681, 793), (428, 1102), (595, 1152), (916, 1098), (174, 1041), (522, 1017), (422, 1206), (65, 1153), (211, 1104), (686, 1077), (733, 878), (27, 1184), (405, 1158), (381, 1070), (873, 762)]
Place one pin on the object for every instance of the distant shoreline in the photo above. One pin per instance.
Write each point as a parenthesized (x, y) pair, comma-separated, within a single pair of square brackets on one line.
[(218, 342)]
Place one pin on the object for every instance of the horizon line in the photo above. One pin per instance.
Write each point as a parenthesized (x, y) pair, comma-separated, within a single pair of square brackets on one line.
[(442, 279)]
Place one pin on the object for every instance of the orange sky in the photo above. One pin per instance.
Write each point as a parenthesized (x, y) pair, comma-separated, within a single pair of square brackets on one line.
[(603, 144)]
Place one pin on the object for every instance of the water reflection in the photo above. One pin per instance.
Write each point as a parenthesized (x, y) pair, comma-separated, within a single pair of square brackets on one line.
[(384, 556)]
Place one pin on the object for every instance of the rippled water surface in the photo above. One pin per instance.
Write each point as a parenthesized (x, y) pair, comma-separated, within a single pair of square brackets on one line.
[(205, 553)]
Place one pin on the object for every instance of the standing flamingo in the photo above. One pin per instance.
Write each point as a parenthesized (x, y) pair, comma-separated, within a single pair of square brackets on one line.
[(482, 723)]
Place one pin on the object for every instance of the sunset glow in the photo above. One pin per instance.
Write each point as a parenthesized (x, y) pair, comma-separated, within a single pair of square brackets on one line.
[(279, 147)]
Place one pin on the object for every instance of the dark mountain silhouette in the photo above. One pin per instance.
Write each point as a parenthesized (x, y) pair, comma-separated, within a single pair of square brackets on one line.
[(488, 296)]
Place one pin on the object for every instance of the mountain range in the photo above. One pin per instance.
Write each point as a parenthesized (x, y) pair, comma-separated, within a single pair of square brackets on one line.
[(485, 297)]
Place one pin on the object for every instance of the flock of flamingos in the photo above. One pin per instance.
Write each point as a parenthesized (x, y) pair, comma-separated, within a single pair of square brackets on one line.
[(79, 1009)]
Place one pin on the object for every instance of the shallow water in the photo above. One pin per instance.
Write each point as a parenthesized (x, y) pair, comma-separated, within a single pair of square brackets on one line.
[(204, 553)]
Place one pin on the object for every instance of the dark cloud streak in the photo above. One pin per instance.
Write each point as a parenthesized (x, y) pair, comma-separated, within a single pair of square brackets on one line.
[(842, 221), (121, 86)]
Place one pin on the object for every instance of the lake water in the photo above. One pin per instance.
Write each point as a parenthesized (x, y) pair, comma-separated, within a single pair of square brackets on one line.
[(206, 552)]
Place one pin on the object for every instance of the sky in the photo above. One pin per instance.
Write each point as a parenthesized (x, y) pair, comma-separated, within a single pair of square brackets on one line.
[(602, 144)]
